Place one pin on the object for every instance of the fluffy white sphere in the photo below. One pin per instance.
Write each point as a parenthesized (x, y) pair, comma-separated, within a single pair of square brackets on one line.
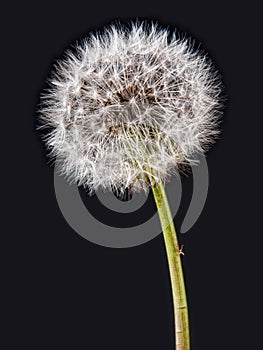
[(129, 101)]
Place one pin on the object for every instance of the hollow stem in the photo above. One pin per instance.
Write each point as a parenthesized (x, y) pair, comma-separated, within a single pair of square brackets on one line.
[(174, 253)]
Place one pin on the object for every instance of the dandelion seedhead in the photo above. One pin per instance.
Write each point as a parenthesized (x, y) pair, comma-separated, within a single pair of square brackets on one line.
[(126, 101)]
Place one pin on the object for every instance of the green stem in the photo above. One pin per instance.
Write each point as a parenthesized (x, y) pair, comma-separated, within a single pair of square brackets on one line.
[(173, 251)]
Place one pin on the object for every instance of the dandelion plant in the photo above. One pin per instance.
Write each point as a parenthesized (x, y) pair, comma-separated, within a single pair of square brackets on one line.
[(125, 109)]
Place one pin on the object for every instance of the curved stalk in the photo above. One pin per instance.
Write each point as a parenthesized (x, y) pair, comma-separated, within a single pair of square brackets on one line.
[(173, 251)]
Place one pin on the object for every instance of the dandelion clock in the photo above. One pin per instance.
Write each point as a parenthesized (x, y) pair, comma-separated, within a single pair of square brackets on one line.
[(127, 108)]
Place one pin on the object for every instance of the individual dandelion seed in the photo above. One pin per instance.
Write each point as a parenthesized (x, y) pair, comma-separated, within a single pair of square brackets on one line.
[(126, 109)]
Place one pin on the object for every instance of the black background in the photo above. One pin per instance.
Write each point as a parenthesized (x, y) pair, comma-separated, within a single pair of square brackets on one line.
[(60, 291)]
